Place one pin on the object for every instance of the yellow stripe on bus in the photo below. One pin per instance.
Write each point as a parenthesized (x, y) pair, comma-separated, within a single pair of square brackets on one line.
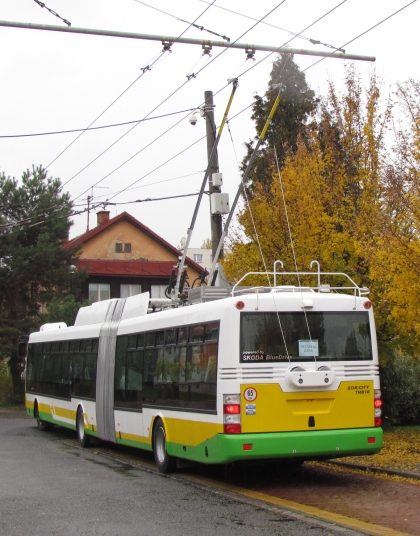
[(56, 411)]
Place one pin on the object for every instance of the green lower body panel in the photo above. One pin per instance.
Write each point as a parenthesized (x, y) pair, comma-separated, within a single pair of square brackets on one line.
[(47, 417), (322, 444), (134, 443)]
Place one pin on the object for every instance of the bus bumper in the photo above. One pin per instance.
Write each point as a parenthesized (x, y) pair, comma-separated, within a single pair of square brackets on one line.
[(322, 444)]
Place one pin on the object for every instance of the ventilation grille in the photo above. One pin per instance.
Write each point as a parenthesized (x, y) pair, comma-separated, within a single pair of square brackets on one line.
[(276, 373)]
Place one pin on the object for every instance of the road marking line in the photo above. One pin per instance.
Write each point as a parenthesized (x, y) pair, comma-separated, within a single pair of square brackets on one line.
[(310, 510), (339, 519)]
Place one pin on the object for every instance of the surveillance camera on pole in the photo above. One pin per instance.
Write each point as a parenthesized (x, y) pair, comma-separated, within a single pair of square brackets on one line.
[(193, 119)]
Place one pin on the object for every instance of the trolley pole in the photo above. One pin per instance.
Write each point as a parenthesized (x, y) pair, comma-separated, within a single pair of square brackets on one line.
[(213, 160)]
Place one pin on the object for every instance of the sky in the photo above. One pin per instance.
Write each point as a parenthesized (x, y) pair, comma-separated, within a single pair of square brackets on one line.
[(53, 81)]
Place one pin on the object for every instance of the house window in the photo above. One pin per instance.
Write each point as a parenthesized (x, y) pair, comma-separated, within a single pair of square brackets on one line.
[(198, 257), (129, 290), (99, 291), (120, 247), (158, 291)]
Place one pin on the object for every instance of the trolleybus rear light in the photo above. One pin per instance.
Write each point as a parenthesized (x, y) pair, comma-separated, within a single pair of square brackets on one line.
[(232, 428), (371, 439), (231, 409), (231, 399), (247, 446), (377, 404), (367, 304), (240, 305)]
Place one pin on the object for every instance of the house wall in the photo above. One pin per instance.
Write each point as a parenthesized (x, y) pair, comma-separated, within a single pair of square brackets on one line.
[(143, 247), (206, 256)]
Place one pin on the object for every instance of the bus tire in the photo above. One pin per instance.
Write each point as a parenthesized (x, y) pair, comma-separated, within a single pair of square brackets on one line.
[(44, 426), (84, 439), (165, 463)]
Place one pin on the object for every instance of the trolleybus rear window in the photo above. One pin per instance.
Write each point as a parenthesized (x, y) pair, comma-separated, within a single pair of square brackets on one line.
[(326, 336)]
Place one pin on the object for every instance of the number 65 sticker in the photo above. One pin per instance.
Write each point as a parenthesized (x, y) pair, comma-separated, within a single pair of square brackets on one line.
[(250, 394)]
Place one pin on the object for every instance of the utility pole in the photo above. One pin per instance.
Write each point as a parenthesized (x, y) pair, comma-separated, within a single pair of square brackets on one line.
[(89, 198), (212, 156)]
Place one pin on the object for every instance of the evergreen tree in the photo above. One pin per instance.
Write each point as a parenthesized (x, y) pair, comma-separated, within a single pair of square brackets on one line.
[(297, 103), (34, 223)]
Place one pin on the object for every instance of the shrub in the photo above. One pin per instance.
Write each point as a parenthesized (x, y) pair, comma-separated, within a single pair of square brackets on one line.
[(400, 384), (6, 383)]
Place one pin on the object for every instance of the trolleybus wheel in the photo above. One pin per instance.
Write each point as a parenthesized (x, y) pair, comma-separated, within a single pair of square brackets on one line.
[(42, 425), (84, 439), (165, 463)]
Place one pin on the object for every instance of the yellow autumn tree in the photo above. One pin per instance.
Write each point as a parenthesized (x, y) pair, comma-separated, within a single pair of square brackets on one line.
[(329, 193), (395, 259), (329, 188)]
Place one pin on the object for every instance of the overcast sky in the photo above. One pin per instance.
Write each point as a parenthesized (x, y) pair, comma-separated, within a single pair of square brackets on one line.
[(53, 81)]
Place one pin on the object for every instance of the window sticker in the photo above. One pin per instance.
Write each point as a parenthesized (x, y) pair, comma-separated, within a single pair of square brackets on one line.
[(308, 348)]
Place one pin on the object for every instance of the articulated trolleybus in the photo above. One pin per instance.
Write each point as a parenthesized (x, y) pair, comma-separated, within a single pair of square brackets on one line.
[(244, 373)]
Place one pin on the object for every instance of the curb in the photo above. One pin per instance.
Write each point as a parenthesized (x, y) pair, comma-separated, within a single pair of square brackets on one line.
[(392, 472)]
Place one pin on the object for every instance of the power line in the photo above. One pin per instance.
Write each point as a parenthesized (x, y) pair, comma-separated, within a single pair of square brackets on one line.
[(152, 183), (134, 126), (182, 20), (152, 199), (173, 93), (121, 191), (239, 113), (312, 65), (313, 41), (95, 128), (144, 70), (52, 12)]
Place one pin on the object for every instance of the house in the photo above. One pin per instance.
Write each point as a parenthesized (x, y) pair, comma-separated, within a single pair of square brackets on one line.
[(201, 256), (123, 257)]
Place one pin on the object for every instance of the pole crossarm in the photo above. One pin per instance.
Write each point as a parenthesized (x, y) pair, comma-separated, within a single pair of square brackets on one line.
[(168, 41)]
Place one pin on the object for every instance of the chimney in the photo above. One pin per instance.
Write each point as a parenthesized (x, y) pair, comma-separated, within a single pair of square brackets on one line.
[(103, 216)]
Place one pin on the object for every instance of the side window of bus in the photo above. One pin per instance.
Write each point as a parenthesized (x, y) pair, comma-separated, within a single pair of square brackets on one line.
[(30, 367), (150, 373), (120, 369), (134, 381)]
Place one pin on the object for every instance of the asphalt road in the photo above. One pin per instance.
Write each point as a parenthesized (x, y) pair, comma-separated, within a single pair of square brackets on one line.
[(49, 487)]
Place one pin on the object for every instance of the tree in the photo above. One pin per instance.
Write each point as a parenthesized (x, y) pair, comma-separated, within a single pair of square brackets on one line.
[(396, 263), (34, 223), (297, 103), (63, 308), (182, 243), (332, 188), (207, 244)]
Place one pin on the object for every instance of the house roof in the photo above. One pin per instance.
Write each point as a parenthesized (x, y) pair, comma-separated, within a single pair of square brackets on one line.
[(116, 268), (82, 239)]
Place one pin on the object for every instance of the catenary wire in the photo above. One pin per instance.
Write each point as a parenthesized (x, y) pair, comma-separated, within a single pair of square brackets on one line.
[(203, 136), (134, 126), (148, 68), (175, 91), (299, 35), (41, 4), (182, 20), (215, 94), (236, 115)]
